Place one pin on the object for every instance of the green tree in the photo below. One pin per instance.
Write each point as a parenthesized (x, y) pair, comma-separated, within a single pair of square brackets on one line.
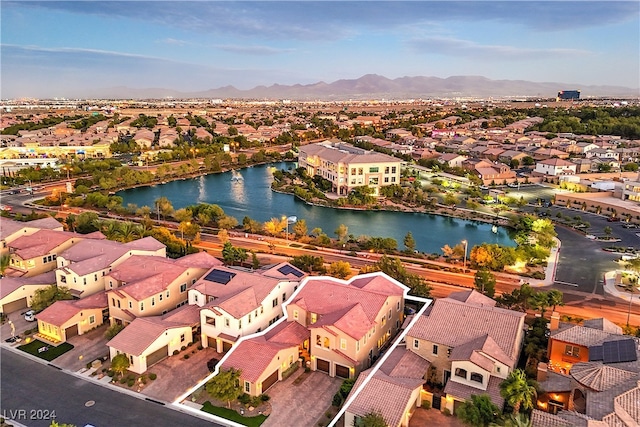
[(113, 330), (225, 386), (309, 263), (342, 231), (71, 220), (128, 231), (540, 301), (5, 261), (394, 268), (255, 262), (232, 254), (607, 230), (163, 206), (44, 297), (518, 391), (372, 419), (340, 269), (555, 298), (300, 228), (409, 243), (227, 222), (479, 411), (485, 282), (86, 222), (120, 364)]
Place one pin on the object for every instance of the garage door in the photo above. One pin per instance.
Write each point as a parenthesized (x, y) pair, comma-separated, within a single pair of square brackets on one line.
[(71, 331), (271, 380), (211, 342), (342, 371), (13, 306), (322, 365), (157, 356), (226, 346)]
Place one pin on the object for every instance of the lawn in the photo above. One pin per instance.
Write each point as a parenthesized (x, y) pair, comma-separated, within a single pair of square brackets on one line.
[(232, 415), (48, 355)]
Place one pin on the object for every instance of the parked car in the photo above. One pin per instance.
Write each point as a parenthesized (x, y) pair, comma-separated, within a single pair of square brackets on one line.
[(613, 219), (30, 316), (5, 208)]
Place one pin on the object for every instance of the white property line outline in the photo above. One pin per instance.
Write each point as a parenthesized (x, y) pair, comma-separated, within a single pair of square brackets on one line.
[(201, 383)]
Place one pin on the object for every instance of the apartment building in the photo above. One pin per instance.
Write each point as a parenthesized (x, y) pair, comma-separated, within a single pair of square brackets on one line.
[(348, 167)]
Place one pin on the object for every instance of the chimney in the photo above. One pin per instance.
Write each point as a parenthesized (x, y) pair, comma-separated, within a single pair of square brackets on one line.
[(555, 321), (542, 372)]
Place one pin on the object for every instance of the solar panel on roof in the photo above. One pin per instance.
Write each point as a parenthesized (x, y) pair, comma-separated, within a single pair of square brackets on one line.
[(287, 269), (595, 353), (619, 351), (219, 276)]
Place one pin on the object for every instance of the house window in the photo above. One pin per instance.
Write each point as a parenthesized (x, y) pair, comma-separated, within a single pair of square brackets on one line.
[(416, 344), (284, 297), (249, 317), (389, 315), (295, 314), (182, 338), (325, 342), (393, 169), (314, 318), (153, 301), (95, 277), (261, 309), (353, 171), (386, 179), (130, 305), (84, 280), (247, 387), (498, 369), (572, 350), (240, 324), (274, 303), (49, 258), (160, 297), (398, 306), (113, 302), (118, 303), (476, 377), (183, 288), (462, 373), (44, 260), (92, 320), (374, 169), (384, 321), (131, 359), (226, 322), (167, 294), (386, 169), (357, 346), (343, 344), (110, 284), (318, 340), (434, 351)]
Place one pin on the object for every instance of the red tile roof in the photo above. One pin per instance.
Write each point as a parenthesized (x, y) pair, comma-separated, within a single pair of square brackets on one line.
[(61, 311), (10, 284), (40, 243), (453, 323), (464, 392), (136, 337), (252, 356)]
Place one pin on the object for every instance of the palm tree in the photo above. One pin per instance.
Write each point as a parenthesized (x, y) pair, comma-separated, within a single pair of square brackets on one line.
[(71, 222), (128, 231), (107, 227), (540, 301), (554, 298), (518, 391)]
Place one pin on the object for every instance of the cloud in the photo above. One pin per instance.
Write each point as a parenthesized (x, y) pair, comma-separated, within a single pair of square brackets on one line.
[(333, 20), (174, 42), (465, 48), (253, 50)]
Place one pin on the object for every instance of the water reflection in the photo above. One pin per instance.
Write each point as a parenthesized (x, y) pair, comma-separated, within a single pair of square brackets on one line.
[(252, 196)]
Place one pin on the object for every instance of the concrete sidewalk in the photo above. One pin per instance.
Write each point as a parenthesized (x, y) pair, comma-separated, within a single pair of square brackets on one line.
[(611, 289)]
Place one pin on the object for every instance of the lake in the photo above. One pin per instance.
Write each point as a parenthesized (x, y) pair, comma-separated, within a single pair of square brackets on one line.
[(247, 192)]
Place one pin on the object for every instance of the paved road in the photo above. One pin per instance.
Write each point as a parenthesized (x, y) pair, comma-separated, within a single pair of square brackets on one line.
[(39, 390)]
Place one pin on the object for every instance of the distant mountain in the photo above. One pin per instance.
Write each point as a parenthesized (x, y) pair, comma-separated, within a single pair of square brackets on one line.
[(375, 86)]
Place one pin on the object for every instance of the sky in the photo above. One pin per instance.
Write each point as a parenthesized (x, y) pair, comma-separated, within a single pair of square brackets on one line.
[(64, 49)]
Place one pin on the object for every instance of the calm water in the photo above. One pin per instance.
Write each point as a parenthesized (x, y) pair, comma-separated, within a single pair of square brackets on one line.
[(252, 196)]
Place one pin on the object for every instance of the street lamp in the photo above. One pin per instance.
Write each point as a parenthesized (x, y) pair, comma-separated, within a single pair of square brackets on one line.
[(290, 220), (464, 262)]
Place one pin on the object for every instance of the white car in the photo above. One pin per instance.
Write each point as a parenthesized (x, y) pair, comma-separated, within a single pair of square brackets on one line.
[(30, 316)]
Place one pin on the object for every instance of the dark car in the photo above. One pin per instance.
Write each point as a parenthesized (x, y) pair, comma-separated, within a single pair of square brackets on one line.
[(211, 364), (613, 219)]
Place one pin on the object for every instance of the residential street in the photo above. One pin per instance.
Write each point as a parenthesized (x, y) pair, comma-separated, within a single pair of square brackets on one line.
[(32, 393)]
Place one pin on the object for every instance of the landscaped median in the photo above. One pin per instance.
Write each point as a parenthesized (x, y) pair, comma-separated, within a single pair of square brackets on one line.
[(44, 351)]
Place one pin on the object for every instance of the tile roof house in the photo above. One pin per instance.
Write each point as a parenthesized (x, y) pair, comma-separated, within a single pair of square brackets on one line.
[(82, 267), (471, 344), (36, 253), (67, 318), (236, 302), (349, 323), (555, 167), (148, 340), (149, 285), (392, 391), (16, 292), (11, 229)]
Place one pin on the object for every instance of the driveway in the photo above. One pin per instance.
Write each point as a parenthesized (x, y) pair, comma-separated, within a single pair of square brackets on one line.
[(433, 417), (86, 348), (177, 374), (302, 404)]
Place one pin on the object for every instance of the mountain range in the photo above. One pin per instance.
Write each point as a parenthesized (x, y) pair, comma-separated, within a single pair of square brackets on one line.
[(373, 86)]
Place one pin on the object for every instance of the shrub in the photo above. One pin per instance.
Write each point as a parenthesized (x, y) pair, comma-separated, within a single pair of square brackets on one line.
[(175, 352), (186, 356), (244, 398), (88, 365), (264, 397), (123, 380), (426, 404), (447, 412), (337, 400), (152, 376), (183, 348), (110, 373), (131, 382), (200, 347)]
